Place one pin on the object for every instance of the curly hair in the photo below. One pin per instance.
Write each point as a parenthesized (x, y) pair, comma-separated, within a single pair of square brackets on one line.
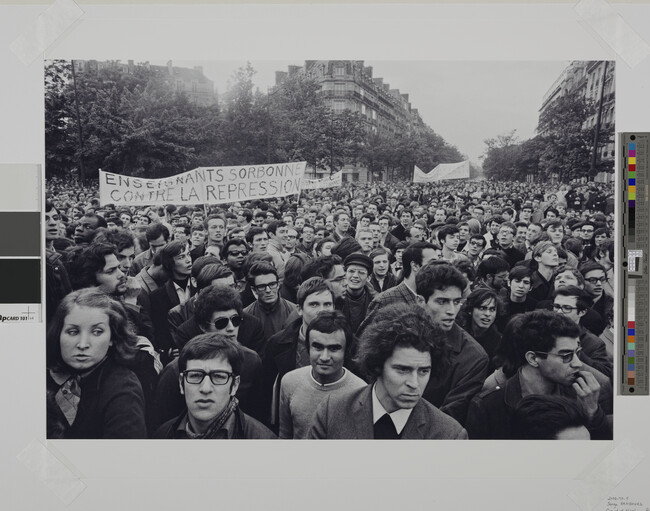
[(398, 325), (537, 331)]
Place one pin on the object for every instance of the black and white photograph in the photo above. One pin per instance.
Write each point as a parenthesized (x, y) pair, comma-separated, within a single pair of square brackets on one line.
[(329, 249)]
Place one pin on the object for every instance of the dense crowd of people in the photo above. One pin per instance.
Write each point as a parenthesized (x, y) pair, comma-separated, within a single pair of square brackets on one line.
[(454, 310)]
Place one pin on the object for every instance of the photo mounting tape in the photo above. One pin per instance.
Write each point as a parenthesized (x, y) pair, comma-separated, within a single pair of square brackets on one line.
[(51, 471), (48, 27), (613, 30), (597, 482)]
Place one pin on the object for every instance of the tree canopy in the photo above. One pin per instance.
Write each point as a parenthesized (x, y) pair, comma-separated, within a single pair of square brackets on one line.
[(138, 124), (562, 147)]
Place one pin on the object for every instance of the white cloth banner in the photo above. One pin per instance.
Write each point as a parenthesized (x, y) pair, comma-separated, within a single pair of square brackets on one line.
[(421, 177), (204, 185), (332, 181), (442, 172)]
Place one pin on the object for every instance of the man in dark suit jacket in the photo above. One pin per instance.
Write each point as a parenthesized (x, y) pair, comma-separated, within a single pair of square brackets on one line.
[(178, 264), (414, 258), (399, 352)]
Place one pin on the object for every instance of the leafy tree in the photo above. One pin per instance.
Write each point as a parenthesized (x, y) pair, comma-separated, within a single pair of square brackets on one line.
[(567, 146), (298, 121), (59, 131), (245, 120), (502, 159)]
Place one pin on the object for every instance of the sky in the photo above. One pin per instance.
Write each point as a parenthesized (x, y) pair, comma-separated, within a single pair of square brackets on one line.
[(464, 102)]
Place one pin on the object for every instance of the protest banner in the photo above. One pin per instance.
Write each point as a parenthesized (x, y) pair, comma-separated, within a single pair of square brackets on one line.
[(204, 185), (443, 172), (332, 181)]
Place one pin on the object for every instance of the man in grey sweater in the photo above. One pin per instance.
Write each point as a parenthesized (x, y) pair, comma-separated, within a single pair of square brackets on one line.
[(328, 339)]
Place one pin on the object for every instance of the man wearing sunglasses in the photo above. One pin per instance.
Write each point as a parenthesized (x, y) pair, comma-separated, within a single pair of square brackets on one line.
[(546, 350), (573, 303), (233, 254), (209, 378), (218, 310)]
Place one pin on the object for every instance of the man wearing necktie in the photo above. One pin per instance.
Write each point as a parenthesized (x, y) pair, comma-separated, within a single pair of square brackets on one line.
[(397, 353)]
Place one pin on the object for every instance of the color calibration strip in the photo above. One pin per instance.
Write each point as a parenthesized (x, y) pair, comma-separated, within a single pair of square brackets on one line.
[(20, 246), (630, 354), (634, 376)]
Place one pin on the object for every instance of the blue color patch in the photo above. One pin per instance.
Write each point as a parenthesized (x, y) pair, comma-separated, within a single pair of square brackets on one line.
[(632, 146), (632, 182), (630, 367), (630, 331)]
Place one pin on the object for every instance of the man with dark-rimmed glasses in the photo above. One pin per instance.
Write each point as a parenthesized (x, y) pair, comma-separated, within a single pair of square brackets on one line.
[(218, 310), (545, 349), (209, 378), (573, 302), (270, 308)]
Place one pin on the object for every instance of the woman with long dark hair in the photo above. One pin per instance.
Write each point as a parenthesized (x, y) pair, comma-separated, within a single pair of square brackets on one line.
[(91, 390), (477, 317)]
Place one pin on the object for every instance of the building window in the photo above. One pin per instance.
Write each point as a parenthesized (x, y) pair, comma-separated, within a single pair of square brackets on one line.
[(355, 176), (339, 106), (339, 70), (373, 114), (363, 109), (339, 89)]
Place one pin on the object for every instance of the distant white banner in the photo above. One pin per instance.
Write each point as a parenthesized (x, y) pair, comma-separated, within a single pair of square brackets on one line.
[(332, 181), (421, 177), (204, 185), (443, 172)]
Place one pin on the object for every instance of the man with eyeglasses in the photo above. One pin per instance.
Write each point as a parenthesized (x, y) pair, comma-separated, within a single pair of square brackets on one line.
[(505, 241), (546, 352), (218, 310), (269, 307), (307, 238), (209, 378), (473, 249), (573, 303), (440, 290), (595, 278), (286, 350), (587, 231)]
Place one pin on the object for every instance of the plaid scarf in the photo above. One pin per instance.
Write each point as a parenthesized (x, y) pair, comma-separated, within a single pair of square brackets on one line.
[(68, 395), (221, 419)]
